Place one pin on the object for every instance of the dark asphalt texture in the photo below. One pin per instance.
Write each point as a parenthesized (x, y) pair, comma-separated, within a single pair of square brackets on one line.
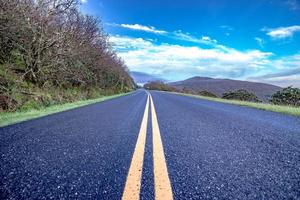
[(222, 151), (83, 153), (213, 151)]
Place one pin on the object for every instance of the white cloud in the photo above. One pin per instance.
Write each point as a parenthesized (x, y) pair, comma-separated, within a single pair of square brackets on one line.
[(207, 38), (139, 27), (83, 1), (177, 35), (286, 73), (292, 80), (281, 32), (175, 62), (259, 41), (283, 81), (126, 43)]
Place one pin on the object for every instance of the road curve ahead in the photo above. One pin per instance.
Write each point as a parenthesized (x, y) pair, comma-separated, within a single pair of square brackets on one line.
[(152, 145)]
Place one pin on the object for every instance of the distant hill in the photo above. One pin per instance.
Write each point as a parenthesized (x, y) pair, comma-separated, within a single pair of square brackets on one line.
[(141, 78), (220, 86)]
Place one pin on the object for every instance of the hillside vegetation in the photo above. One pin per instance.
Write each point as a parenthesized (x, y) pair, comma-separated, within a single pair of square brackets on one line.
[(159, 85), (242, 95), (287, 96), (220, 86), (286, 100), (52, 53)]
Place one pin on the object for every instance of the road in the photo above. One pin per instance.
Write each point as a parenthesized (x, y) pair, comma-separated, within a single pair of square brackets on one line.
[(152, 145)]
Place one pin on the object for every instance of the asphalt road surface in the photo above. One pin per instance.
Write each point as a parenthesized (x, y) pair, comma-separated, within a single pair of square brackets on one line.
[(152, 145)]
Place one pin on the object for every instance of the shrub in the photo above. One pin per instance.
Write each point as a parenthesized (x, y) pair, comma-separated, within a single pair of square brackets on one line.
[(242, 95), (287, 96), (7, 103), (158, 85), (30, 105), (46, 100), (207, 94), (93, 93)]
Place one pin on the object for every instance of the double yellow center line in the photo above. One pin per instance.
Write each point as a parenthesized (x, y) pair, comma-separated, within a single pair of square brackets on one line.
[(162, 184)]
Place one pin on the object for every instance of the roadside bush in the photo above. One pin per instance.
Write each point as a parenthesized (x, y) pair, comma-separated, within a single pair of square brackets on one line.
[(7, 103), (158, 85), (207, 94), (46, 100), (93, 93), (242, 95), (287, 96), (30, 105)]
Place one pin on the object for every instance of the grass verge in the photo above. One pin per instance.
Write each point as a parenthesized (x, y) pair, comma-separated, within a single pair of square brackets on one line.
[(7, 118), (263, 106)]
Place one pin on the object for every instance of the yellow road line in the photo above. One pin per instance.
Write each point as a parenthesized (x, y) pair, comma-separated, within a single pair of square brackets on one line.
[(162, 185), (133, 182)]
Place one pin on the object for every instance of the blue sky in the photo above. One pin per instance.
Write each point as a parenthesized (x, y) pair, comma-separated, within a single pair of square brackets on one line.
[(256, 40)]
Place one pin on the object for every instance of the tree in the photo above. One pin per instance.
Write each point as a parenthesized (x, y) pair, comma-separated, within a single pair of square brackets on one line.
[(242, 95), (207, 94), (50, 43), (58, 44), (287, 96), (158, 85)]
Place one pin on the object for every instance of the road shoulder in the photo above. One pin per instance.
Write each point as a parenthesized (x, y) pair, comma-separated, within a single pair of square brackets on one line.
[(290, 110), (9, 118)]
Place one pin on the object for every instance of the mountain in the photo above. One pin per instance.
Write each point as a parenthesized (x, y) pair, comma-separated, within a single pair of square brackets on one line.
[(220, 86), (141, 78)]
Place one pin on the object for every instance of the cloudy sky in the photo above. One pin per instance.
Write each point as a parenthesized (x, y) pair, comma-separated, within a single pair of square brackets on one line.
[(257, 40)]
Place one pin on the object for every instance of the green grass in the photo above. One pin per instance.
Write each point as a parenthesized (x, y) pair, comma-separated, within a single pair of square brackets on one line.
[(7, 118), (263, 106)]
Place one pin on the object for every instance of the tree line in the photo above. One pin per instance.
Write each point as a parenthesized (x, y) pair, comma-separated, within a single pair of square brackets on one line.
[(50, 43)]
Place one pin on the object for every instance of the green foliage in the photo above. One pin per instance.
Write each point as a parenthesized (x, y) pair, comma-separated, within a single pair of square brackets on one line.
[(17, 59), (287, 96), (30, 105), (39, 67), (93, 93), (158, 85), (242, 95), (7, 118), (207, 94), (6, 80)]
